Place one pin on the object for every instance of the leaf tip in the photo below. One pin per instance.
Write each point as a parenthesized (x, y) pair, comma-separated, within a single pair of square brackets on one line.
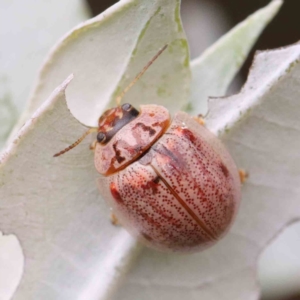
[(68, 80), (275, 6)]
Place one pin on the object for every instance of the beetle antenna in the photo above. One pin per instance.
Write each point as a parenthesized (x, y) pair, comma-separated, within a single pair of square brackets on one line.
[(131, 84), (76, 143)]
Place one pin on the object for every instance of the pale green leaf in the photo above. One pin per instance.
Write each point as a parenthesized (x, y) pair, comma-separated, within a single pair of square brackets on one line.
[(52, 205), (8, 116), (214, 70), (28, 30), (107, 52), (73, 252), (11, 265)]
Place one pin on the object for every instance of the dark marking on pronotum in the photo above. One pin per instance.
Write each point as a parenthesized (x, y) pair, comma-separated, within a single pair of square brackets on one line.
[(115, 193), (145, 128), (118, 156)]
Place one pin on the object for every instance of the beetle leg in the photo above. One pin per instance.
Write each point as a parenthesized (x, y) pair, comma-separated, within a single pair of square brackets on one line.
[(114, 219), (200, 119), (93, 145), (243, 175)]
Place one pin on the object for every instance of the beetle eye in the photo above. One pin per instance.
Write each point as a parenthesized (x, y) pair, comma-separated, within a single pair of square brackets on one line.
[(101, 137), (126, 106)]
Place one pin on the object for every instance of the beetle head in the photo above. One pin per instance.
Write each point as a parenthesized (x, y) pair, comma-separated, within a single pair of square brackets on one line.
[(113, 120)]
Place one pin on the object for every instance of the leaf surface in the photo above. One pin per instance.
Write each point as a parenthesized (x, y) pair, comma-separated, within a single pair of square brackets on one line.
[(73, 252), (28, 30), (214, 70), (52, 205), (11, 265), (56, 211), (107, 52)]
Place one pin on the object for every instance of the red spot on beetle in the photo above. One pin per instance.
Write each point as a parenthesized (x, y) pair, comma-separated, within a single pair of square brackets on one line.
[(115, 193), (187, 134), (118, 156)]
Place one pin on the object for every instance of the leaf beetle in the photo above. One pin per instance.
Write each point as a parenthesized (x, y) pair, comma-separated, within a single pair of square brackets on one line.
[(170, 182)]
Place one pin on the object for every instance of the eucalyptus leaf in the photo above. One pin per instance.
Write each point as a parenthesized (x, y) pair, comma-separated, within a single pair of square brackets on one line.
[(52, 205), (56, 212), (12, 265), (214, 70), (8, 116), (28, 30), (108, 51)]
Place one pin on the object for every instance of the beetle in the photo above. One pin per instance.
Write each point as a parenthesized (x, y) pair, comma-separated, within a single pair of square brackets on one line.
[(170, 182)]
